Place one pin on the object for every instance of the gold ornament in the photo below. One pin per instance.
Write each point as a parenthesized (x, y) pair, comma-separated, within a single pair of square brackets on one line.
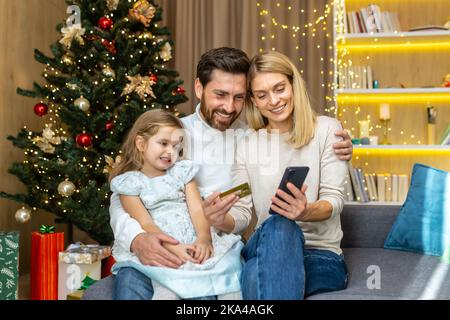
[(109, 72), (143, 12), (146, 35), (70, 33), (48, 140), (166, 52), (72, 86), (83, 104), (66, 188), (68, 60), (111, 163), (112, 4), (23, 215), (141, 85)]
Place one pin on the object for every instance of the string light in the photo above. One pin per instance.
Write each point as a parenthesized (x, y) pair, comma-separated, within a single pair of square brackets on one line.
[(311, 30)]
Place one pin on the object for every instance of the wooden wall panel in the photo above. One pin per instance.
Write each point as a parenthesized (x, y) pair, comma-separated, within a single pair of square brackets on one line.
[(24, 26)]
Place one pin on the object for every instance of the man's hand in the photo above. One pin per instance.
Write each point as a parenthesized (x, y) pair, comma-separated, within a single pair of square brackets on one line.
[(344, 148), (148, 247), (216, 209)]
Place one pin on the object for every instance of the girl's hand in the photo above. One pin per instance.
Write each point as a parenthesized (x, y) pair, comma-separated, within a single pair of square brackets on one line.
[(293, 208), (185, 252), (203, 249)]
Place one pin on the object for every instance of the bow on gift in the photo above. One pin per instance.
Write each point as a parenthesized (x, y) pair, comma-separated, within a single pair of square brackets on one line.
[(86, 283), (47, 229)]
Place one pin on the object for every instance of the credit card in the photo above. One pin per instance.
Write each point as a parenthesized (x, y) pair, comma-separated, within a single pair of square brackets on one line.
[(241, 191)]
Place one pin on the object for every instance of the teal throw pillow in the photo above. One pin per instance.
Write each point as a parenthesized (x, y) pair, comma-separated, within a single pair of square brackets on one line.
[(423, 223)]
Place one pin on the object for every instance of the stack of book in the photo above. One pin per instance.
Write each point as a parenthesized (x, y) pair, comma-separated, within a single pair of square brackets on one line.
[(371, 20), (382, 187), (355, 77)]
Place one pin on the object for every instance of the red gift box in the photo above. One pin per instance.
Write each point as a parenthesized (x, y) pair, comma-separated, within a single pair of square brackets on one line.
[(45, 249), (107, 265)]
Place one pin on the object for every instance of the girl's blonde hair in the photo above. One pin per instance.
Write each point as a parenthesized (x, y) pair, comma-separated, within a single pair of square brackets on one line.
[(146, 126), (304, 117)]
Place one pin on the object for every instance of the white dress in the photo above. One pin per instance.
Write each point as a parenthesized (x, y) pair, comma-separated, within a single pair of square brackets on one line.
[(165, 199)]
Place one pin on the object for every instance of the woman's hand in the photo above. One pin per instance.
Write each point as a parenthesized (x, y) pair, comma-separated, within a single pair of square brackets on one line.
[(293, 207), (203, 249), (185, 252)]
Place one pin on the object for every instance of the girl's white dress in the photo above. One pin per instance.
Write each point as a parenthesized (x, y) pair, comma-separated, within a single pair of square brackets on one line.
[(164, 198)]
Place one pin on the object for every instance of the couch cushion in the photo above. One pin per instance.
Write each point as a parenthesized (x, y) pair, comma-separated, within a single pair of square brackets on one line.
[(367, 226), (423, 224), (404, 275)]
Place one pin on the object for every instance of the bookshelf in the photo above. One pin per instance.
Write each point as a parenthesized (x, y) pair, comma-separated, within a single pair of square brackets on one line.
[(409, 67)]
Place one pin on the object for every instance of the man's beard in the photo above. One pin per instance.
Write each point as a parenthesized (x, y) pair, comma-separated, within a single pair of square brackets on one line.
[(209, 117)]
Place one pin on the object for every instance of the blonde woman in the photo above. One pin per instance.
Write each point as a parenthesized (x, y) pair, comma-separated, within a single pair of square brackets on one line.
[(295, 252)]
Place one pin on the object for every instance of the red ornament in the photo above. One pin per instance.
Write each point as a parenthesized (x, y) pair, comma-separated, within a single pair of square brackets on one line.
[(179, 90), (84, 140), (41, 109), (153, 77), (109, 45), (105, 23), (109, 126)]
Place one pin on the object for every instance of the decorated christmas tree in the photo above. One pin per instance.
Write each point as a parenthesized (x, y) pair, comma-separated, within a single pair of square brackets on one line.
[(108, 67)]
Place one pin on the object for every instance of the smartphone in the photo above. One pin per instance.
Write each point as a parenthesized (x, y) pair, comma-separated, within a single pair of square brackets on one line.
[(294, 175), (241, 191)]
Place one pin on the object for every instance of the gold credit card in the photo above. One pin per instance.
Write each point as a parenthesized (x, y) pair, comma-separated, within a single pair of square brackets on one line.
[(241, 191)]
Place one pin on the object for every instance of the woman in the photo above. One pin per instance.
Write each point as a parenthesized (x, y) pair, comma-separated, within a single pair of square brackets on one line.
[(295, 252)]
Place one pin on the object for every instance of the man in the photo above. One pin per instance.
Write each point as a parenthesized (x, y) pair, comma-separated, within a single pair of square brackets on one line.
[(221, 87)]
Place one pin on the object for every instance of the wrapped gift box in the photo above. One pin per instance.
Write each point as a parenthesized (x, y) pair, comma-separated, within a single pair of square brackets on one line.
[(77, 263), (44, 264), (76, 295), (9, 265)]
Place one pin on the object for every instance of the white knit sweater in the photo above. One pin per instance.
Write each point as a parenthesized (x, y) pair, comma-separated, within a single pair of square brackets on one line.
[(264, 168)]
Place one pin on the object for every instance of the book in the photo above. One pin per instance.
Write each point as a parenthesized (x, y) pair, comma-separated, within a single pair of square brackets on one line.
[(394, 187), (445, 140), (429, 28), (388, 182), (381, 186), (348, 190), (356, 186), (402, 187), (363, 185), (372, 179)]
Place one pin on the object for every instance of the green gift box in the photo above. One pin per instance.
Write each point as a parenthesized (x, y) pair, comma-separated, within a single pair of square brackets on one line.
[(9, 265)]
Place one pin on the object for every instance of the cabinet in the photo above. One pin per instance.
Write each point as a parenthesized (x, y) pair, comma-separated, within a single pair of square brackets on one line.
[(409, 67)]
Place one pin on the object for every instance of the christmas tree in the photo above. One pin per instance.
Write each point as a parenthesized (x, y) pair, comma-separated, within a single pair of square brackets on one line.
[(108, 67)]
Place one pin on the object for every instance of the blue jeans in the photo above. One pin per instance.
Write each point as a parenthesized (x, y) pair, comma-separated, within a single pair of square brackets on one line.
[(278, 267), (131, 284)]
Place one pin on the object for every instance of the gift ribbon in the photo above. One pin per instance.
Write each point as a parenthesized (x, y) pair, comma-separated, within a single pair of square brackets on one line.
[(87, 282), (47, 229)]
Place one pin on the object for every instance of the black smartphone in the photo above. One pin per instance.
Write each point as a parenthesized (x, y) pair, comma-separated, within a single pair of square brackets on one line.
[(294, 175)]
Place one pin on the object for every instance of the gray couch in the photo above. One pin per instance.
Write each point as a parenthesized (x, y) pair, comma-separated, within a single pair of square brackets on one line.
[(403, 275)]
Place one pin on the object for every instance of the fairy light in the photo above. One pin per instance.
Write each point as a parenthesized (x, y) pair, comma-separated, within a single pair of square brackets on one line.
[(310, 30)]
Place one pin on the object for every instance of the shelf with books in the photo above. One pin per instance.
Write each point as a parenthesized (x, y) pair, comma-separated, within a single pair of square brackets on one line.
[(363, 186), (399, 71)]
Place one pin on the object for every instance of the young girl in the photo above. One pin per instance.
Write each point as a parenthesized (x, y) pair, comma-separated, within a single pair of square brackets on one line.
[(161, 193)]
